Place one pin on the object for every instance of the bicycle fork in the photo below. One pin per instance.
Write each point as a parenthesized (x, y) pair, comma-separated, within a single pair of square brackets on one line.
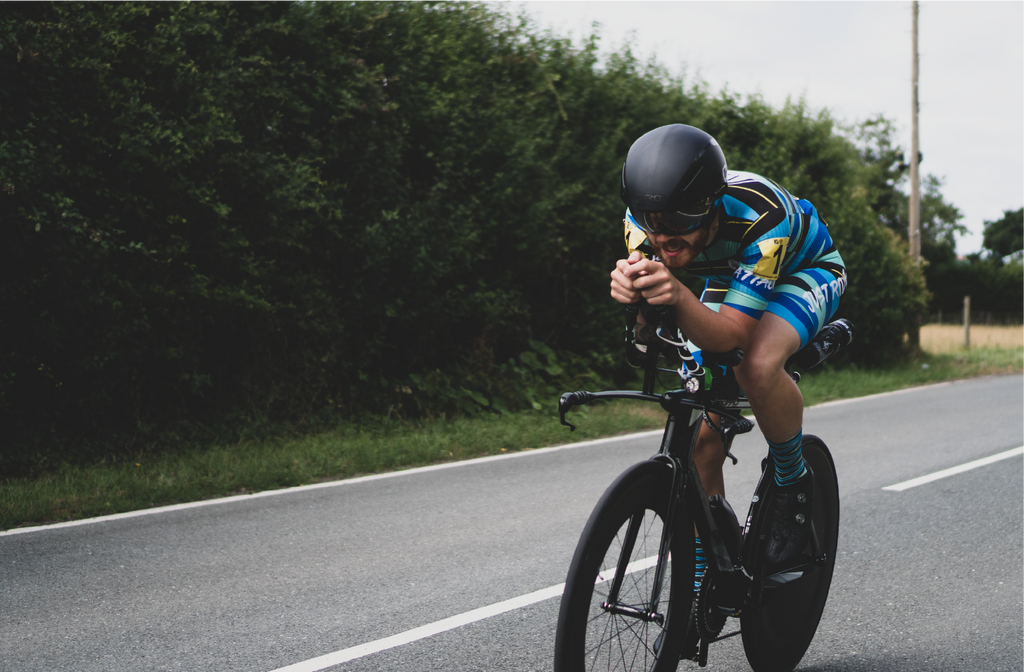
[(664, 548), (732, 578)]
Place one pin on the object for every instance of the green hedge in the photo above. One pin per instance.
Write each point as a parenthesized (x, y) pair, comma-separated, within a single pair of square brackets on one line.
[(216, 213)]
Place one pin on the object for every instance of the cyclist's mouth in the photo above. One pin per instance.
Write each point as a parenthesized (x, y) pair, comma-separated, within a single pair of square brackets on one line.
[(673, 248)]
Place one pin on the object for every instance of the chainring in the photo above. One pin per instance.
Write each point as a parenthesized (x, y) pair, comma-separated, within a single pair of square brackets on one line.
[(710, 620)]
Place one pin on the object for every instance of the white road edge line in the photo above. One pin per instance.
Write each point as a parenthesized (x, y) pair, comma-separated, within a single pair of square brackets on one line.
[(409, 472), (330, 484), (921, 480), (431, 629)]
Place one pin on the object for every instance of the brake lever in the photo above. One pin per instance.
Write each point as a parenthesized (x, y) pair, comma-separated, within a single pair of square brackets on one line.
[(567, 401)]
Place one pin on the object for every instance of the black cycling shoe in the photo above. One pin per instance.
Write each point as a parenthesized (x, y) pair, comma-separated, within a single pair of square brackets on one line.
[(790, 526)]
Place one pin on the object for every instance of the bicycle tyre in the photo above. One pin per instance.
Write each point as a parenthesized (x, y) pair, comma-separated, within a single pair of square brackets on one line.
[(590, 638), (777, 633)]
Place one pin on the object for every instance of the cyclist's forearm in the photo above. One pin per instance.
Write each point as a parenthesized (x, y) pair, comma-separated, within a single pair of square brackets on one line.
[(636, 278), (715, 332)]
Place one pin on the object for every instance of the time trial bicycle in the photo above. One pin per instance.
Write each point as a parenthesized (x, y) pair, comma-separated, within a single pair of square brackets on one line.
[(629, 601)]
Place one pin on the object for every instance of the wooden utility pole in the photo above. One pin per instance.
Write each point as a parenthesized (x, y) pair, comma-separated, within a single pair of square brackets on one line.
[(915, 159), (914, 234)]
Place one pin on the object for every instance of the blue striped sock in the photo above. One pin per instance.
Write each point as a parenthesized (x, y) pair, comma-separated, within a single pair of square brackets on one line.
[(789, 459), (700, 564)]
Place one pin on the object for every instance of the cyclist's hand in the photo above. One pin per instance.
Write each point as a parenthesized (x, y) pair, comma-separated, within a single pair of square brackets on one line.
[(644, 278), (623, 290)]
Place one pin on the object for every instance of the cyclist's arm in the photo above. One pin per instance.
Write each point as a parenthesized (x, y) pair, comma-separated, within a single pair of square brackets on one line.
[(637, 278)]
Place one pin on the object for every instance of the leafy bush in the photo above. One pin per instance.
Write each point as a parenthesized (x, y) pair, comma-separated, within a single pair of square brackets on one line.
[(223, 213)]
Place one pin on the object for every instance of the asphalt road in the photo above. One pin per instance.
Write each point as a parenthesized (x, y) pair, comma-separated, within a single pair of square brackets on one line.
[(928, 578)]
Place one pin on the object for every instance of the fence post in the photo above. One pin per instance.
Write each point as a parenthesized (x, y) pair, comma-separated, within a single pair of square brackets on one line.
[(967, 322)]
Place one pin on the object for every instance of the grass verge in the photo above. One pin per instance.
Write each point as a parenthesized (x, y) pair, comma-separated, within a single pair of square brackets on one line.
[(71, 493)]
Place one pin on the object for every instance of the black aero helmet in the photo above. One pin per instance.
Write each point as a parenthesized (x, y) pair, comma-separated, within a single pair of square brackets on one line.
[(677, 170)]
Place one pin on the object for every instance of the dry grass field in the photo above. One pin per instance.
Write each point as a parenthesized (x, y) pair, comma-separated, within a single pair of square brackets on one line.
[(937, 338)]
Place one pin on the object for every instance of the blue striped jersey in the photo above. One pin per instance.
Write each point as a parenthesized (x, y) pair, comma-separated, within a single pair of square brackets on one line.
[(764, 233)]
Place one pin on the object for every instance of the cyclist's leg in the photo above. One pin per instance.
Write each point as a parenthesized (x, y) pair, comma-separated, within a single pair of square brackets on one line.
[(709, 457), (709, 453), (778, 407), (774, 397), (800, 306)]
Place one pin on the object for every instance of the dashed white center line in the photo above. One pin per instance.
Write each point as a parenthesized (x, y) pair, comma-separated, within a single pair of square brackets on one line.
[(921, 480)]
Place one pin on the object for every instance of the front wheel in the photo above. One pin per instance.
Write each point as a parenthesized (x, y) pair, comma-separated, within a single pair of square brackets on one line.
[(777, 632), (642, 626)]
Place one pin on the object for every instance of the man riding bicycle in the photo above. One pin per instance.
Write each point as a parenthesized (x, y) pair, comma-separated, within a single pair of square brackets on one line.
[(774, 279)]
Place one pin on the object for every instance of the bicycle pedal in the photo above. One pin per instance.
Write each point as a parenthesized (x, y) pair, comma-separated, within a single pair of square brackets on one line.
[(729, 612)]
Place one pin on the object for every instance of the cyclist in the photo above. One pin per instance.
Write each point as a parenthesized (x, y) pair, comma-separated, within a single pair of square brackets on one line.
[(773, 280)]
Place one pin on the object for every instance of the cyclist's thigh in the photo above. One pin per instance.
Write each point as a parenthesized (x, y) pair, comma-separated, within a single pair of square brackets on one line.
[(809, 298)]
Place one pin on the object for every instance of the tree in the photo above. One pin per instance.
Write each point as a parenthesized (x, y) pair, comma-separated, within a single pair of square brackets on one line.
[(993, 285), (1005, 236)]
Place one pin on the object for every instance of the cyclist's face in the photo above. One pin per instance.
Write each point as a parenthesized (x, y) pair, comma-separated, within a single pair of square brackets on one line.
[(678, 251)]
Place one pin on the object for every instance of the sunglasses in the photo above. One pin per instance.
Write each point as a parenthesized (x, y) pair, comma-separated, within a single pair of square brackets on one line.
[(671, 223)]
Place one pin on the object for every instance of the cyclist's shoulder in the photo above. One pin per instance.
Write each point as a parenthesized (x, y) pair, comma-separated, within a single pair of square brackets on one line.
[(756, 208), (751, 196)]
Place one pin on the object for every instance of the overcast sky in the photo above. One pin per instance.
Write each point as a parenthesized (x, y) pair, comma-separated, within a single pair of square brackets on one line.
[(853, 58)]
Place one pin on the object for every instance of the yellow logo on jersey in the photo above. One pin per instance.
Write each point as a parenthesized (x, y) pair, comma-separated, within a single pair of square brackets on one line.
[(773, 251), (635, 237)]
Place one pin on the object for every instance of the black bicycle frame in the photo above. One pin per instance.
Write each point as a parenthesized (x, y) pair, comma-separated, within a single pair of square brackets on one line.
[(686, 412)]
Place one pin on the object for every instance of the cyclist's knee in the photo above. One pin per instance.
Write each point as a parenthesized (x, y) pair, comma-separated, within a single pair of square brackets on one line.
[(758, 375), (764, 361)]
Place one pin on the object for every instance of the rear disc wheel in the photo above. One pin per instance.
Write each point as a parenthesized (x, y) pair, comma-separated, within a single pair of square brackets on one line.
[(777, 632)]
